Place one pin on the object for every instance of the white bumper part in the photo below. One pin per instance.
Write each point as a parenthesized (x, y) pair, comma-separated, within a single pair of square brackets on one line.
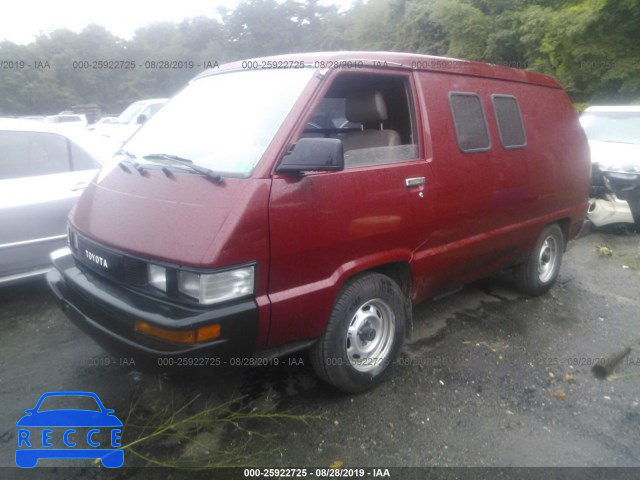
[(610, 211)]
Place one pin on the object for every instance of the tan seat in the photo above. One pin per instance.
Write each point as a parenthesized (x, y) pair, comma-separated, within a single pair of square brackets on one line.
[(368, 108)]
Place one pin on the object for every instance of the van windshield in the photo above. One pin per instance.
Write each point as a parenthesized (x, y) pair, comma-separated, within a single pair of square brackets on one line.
[(223, 122)]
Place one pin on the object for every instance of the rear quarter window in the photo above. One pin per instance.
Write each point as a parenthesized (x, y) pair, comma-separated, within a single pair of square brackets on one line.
[(470, 122), (509, 121)]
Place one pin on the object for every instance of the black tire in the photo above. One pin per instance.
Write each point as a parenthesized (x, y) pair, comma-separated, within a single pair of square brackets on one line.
[(364, 334), (537, 275)]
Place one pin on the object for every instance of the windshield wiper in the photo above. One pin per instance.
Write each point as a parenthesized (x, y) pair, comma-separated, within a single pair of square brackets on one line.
[(132, 158), (210, 174)]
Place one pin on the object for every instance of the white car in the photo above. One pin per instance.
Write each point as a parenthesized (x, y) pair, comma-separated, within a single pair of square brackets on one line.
[(77, 120), (126, 124), (614, 139), (43, 170)]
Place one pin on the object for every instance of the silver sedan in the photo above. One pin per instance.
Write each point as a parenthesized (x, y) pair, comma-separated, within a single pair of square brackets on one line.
[(43, 170)]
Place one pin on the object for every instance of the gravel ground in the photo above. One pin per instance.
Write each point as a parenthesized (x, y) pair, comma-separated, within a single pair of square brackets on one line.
[(489, 378)]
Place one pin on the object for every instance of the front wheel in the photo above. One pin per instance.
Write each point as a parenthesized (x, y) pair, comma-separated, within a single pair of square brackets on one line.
[(536, 275), (364, 334)]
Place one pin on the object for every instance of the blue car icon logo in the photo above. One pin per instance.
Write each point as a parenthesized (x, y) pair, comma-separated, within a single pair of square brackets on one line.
[(69, 433)]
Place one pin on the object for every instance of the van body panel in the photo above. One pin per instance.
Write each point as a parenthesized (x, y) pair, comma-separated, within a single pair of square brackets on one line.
[(184, 221), (326, 227), (361, 212), (150, 215), (493, 205)]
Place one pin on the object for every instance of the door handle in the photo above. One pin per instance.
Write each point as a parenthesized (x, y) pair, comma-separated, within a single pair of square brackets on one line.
[(414, 182)]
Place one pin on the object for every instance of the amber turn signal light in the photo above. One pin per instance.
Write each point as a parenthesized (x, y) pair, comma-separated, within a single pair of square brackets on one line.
[(202, 334)]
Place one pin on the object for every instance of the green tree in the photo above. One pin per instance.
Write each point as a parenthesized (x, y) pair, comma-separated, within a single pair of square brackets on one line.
[(591, 46), (445, 27)]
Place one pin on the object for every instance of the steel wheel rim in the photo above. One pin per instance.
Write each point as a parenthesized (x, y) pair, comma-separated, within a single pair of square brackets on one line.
[(547, 259), (370, 335)]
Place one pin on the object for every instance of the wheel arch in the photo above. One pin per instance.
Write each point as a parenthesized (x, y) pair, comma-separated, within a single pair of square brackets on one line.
[(565, 226), (400, 273)]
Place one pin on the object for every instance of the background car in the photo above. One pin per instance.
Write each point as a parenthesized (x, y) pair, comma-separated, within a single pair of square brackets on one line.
[(43, 170), (614, 139), (68, 119), (125, 125)]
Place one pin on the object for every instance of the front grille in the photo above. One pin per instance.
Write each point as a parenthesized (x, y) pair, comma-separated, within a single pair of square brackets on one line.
[(130, 272), (134, 271), (108, 262)]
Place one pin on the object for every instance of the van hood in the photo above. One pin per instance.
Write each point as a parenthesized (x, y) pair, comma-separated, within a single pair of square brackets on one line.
[(183, 219), (608, 154)]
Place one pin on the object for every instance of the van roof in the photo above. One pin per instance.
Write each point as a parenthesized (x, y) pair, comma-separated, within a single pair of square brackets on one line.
[(395, 60)]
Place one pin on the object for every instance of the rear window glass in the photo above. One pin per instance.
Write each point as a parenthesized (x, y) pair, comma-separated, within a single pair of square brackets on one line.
[(509, 121), (470, 122)]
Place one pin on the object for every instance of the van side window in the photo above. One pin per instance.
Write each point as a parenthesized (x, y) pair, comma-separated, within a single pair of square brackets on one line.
[(372, 115), (470, 122), (509, 121)]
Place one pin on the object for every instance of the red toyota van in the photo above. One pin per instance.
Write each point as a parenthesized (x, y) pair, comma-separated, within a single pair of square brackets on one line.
[(308, 201)]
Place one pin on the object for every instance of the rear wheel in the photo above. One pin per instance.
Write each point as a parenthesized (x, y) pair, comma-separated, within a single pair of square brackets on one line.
[(540, 271), (364, 334)]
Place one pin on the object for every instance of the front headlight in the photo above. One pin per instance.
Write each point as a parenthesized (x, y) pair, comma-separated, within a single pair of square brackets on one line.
[(217, 287), (157, 276)]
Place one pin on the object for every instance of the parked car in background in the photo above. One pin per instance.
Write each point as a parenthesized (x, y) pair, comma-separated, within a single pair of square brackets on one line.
[(614, 138), (43, 170), (105, 120), (39, 118), (125, 125), (68, 119)]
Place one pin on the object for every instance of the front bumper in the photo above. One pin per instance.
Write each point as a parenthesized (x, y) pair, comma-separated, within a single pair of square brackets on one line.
[(107, 312), (609, 210)]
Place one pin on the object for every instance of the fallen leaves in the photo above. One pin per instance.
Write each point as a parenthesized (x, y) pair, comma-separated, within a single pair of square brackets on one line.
[(559, 394), (604, 250)]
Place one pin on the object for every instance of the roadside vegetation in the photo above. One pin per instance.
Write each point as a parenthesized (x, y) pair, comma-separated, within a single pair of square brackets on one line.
[(591, 46), (204, 433)]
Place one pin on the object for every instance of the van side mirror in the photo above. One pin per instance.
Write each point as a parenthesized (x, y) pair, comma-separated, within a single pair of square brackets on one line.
[(141, 119), (313, 154)]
